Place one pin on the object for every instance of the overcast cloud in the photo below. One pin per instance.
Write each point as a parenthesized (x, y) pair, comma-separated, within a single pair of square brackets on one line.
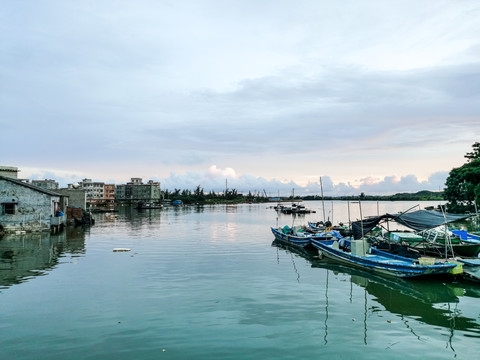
[(374, 96)]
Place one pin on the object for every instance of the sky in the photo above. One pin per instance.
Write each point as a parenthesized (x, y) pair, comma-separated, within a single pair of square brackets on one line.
[(370, 96)]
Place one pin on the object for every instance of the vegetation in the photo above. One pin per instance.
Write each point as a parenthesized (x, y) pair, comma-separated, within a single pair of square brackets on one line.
[(198, 196), (463, 184)]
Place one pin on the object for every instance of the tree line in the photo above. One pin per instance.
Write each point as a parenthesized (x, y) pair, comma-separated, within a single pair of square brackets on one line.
[(198, 196)]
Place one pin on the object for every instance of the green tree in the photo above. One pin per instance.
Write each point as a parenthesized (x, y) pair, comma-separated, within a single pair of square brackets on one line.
[(475, 154), (463, 184), (198, 194)]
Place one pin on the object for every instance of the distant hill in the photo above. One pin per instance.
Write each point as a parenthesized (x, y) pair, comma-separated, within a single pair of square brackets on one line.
[(421, 195)]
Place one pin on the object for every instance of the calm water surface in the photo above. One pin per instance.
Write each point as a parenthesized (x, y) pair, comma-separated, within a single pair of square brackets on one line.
[(207, 283)]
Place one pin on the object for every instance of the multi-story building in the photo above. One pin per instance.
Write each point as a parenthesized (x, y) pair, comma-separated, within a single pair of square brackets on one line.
[(109, 193), (136, 191), (97, 192), (46, 184)]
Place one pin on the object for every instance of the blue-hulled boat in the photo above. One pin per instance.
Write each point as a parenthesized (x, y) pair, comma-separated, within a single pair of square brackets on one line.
[(467, 237), (295, 236), (362, 257)]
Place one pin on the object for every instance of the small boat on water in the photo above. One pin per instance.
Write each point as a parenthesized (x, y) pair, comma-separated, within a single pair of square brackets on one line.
[(361, 256), (320, 226), (293, 209), (300, 209), (299, 237), (147, 206)]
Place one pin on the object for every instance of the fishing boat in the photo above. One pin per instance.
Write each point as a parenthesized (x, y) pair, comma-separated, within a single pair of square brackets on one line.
[(362, 257), (320, 226), (297, 209), (300, 209), (471, 268), (425, 236), (299, 237), (467, 237), (148, 205)]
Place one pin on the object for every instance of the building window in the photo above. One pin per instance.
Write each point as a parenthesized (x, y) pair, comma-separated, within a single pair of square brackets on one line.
[(9, 208)]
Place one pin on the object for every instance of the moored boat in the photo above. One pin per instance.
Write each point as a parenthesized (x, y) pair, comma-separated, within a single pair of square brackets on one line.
[(327, 226), (297, 236), (427, 236), (360, 256), (147, 206)]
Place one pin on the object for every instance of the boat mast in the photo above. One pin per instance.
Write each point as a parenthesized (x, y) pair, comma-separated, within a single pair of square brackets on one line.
[(332, 214), (361, 217), (448, 240), (349, 221), (323, 204)]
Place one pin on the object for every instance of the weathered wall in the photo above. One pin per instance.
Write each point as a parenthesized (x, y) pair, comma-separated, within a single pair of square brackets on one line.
[(76, 197), (33, 212)]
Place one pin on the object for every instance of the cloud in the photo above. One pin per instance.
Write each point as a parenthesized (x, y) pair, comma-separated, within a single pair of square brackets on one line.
[(261, 87), (217, 179)]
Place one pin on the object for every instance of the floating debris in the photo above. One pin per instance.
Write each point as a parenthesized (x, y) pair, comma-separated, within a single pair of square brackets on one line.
[(121, 249)]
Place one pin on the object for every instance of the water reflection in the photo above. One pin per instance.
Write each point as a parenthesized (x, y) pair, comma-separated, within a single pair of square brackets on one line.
[(23, 257), (432, 301)]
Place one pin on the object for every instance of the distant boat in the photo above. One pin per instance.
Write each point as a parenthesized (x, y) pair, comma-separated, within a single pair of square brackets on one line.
[(177, 202), (147, 206), (293, 209)]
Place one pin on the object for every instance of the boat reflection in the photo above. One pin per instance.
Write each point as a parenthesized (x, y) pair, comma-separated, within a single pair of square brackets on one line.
[(24, 257), (432, 301)]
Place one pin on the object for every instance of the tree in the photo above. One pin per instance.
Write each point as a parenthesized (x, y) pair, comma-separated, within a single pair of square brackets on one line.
[(198, 194), (475, 154), (463, 184)]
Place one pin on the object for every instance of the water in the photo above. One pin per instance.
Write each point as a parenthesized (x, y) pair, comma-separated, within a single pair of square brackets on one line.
[(206, 283)]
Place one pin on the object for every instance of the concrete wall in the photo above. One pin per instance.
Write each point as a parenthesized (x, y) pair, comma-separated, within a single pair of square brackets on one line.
[(34, 209), (76, 197)]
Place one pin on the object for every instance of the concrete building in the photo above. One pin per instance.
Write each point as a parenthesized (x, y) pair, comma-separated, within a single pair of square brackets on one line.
[(94, 190), (25, 207), (109, 193), (9, 171), (136, 191), (76, 197), (46, 184), (98, 193)]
